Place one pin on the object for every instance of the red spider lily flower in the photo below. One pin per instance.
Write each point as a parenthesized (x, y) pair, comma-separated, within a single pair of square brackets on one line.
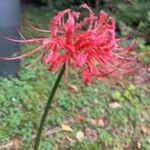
[(95, 51)]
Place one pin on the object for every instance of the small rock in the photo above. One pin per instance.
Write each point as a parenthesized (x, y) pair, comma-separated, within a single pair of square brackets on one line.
[(80, 135)]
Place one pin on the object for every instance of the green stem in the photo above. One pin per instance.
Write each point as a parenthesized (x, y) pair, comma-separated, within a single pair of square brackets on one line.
[(37, 141)]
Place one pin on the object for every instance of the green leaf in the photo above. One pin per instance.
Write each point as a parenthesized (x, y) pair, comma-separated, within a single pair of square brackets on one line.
[(117, 95)]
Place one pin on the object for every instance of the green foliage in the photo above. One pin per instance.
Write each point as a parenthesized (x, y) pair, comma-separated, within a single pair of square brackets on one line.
[(106, 137), (126, 94), (57, 4), (144, 54), (133, 13), (116, 95), (146, 143), (86, 145)]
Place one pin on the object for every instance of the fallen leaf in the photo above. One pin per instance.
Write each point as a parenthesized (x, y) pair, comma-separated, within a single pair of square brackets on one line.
[(130, 131), (126, 147), (72, 88), (7, 145), (101, 122), (145, 129), (93, 121), (80, 135), (139, 146), (144, 117), (50, 132), (13, 144), (69, 139), (91, 133), (80, 117), (114, 105), (16, 142), (66, 128), (88, 132)]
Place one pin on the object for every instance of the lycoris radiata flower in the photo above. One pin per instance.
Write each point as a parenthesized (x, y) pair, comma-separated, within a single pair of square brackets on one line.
[(95, 51)]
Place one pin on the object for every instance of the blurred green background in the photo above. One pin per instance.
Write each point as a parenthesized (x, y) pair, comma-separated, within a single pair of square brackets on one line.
[(101, 116)]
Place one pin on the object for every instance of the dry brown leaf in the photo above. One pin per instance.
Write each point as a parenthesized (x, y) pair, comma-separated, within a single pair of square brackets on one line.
[(91, 133), (93, 121), (52, 131), (69, 139), (73, 88), (139, 146), (101, 123), (14, 144), (80, 117), (7, 145), (66, 128), (145, 129), (126, 147)]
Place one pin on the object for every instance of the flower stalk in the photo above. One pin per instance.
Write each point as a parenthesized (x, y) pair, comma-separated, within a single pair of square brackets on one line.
[(49, 102)]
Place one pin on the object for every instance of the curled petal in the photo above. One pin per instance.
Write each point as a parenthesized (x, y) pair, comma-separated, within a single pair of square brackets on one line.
[(57, 21), (69, 26), (103, 18), (86, 76), (90, 19), (50, 57)]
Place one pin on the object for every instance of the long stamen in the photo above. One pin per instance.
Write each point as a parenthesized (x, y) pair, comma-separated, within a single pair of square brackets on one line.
[(23, 41), (36, 28)]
